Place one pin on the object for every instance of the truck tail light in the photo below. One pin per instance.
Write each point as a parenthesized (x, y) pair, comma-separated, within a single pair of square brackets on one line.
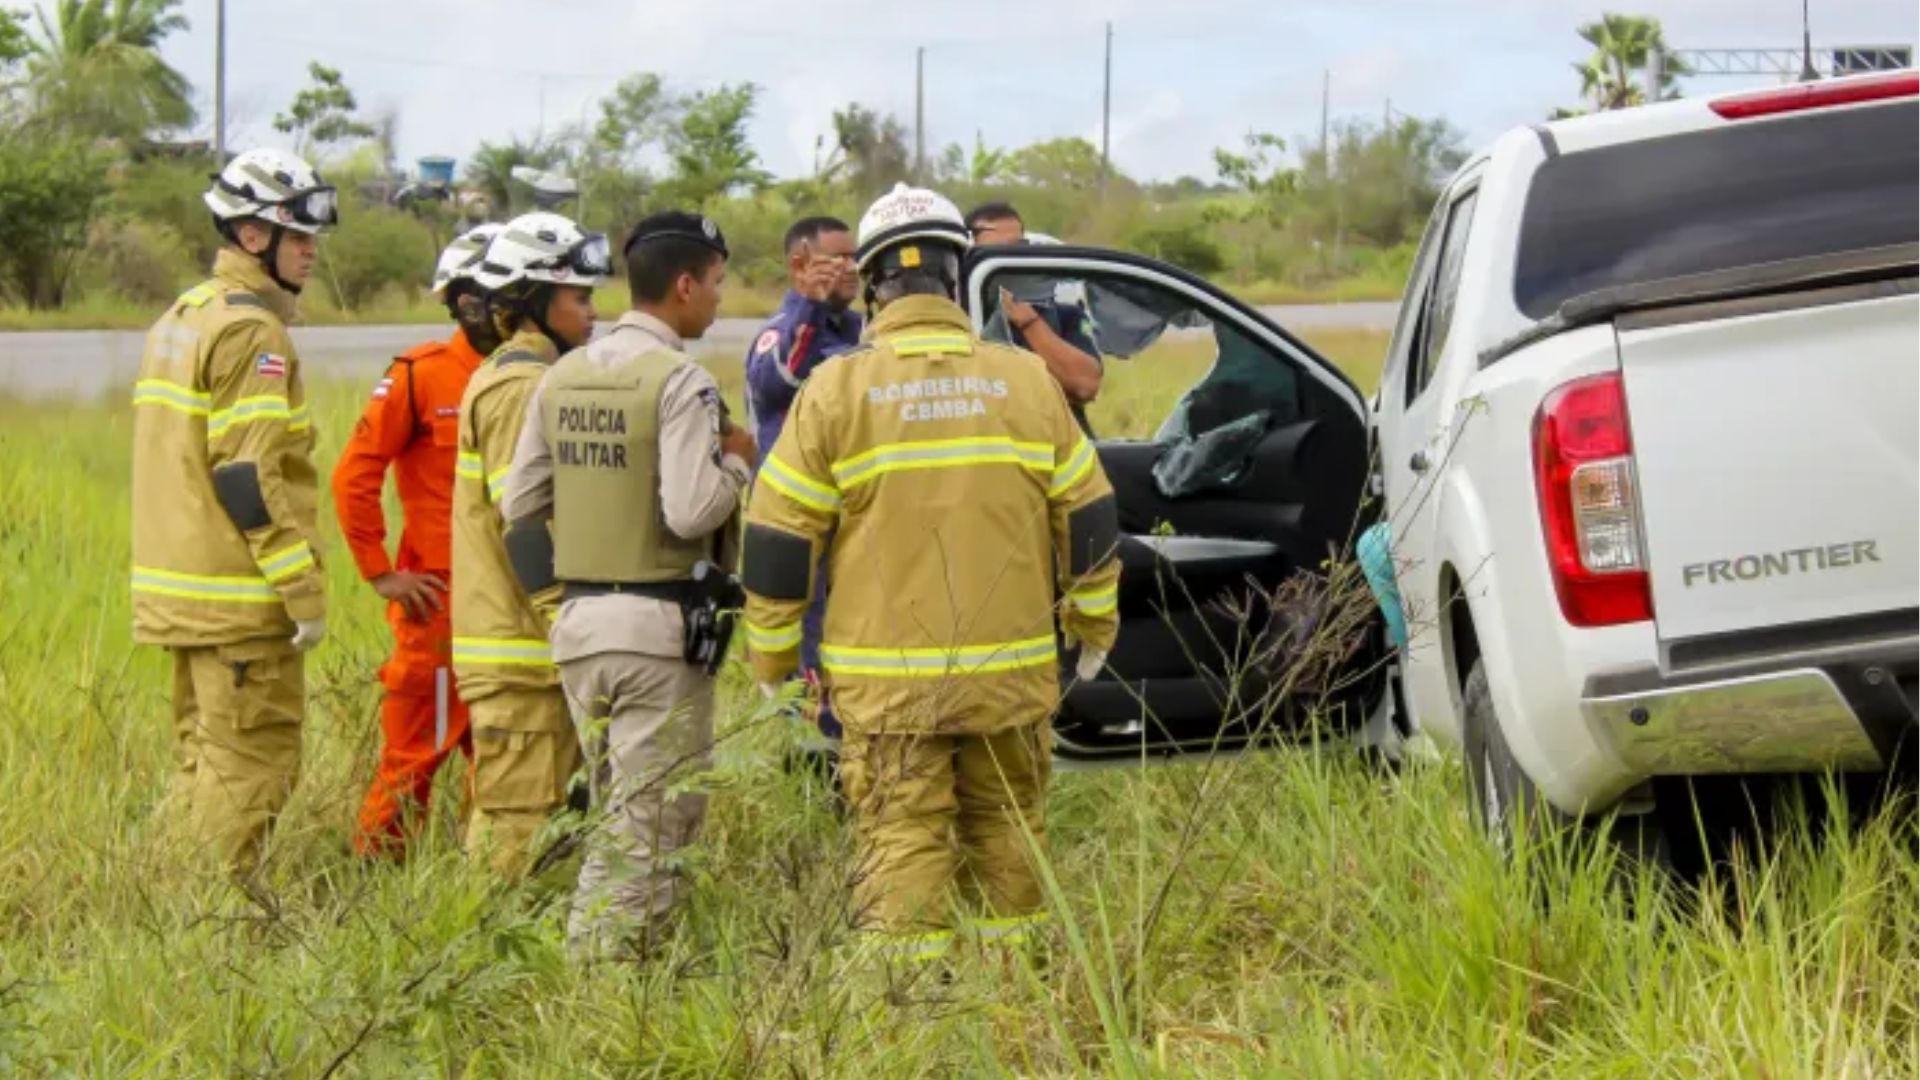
[(1817, 95), (1590, 504)]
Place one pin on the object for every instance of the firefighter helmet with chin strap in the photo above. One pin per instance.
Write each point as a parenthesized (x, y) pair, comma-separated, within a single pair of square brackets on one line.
[(908, 214), (279, 191), (462, 257), (911, 241), (543, 248), (275, 189), (533, 255)]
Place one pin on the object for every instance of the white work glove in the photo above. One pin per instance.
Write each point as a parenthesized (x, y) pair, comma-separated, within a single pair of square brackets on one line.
[(307, 633), (1090, 663)]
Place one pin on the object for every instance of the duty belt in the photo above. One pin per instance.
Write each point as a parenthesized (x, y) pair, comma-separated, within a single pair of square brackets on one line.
[(678, 592)]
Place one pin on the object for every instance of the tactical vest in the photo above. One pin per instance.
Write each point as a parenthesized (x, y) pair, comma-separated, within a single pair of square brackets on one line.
[(603, 427)]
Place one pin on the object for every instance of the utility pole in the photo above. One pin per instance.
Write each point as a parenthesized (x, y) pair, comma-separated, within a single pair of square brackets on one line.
[(1106, 114), (220, 85), (1807, 74), (920, 115), (1656, 72), (1326, 97)]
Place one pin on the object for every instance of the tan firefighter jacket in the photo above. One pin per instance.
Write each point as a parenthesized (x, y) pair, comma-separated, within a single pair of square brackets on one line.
[(955, 497), (499, 640), (224, 488)]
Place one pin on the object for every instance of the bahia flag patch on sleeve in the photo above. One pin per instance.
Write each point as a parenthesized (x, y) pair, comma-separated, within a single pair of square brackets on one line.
[(270, 366)]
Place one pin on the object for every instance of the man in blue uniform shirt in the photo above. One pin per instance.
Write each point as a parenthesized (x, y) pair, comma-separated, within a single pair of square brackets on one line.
[(1059, 327), (813, 324)]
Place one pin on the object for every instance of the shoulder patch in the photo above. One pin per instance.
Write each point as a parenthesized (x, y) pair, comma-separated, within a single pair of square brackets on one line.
[(768, 340), (246, 300)]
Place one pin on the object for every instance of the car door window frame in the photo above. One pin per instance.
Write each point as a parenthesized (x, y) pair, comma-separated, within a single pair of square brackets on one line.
[(1406, 327), (1424, 352), (1218, 306)]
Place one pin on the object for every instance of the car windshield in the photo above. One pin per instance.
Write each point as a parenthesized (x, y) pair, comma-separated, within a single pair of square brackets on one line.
[(1741, 194)]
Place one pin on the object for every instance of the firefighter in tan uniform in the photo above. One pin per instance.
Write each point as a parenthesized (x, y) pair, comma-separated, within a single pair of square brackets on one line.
[(954, 496), (624, 491), (540, 273), (225, 575)]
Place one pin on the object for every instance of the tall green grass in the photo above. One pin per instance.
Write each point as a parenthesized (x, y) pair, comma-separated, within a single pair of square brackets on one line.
[(1282, 914)]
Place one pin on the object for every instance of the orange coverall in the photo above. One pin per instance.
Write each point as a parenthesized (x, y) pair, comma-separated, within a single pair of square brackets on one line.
[(413, 424)]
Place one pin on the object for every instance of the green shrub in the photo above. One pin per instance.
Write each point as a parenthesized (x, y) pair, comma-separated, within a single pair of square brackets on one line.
[(374, 250), (1185, 244), (144, 261), (166, 192)]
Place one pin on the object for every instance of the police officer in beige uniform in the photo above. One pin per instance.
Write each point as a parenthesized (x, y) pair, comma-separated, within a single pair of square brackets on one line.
[(627, 477)]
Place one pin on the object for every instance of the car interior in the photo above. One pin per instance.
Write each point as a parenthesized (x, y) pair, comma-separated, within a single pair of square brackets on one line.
[(1235, 468)]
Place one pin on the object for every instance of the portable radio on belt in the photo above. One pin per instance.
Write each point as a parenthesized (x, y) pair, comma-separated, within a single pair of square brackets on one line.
[(711, 608)]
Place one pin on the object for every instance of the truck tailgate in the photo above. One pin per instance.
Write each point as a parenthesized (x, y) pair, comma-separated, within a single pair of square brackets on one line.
[(1776, 458)]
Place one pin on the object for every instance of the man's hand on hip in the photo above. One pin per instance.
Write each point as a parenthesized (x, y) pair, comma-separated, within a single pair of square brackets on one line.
[(420, 596)]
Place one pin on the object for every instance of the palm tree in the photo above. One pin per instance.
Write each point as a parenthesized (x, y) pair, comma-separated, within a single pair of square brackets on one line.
[(490, 170), (95, 67), (1622, 45)]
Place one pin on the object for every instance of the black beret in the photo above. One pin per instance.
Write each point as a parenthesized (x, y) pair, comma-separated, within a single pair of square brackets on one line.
[(678, 223)]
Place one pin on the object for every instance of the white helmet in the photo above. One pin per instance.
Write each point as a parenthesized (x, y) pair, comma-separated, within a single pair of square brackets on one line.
[(909, 213), (543, 247), (462, 256), (275, 188)]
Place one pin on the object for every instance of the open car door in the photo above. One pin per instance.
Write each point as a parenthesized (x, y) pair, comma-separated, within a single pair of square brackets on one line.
[(1239, 457)]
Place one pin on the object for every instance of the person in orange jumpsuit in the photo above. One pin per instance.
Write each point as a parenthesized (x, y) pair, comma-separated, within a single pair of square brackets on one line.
[(412, 425)]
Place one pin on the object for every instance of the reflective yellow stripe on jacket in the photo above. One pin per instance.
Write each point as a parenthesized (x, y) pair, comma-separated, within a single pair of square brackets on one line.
[(934, 344), (508, 652), (941, 454), (231, 590), (799, 487), (1073, 470), (773, 638), (284, 564), (1096, 601), (938, 663), (172, 395), (246, 411), (468, 466)]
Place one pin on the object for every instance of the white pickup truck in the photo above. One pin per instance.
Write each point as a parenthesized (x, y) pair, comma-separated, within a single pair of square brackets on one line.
[(1647, 433)]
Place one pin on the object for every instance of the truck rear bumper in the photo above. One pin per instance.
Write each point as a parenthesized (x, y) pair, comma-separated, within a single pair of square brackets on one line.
[(1845, 714)]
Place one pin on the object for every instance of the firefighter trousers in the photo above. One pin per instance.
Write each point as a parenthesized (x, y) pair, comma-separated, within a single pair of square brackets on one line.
[(932, 812), (646, 724), (524, 756), (237, 711), (422, 722)]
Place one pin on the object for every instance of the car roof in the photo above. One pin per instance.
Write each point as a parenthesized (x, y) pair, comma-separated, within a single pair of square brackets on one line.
[(1615, 126)]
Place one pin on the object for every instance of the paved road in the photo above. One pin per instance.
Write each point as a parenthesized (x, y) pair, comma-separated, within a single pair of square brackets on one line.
[(87, 363)]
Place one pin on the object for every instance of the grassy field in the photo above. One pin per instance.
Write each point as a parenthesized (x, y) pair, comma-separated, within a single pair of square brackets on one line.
[(1288, 914)]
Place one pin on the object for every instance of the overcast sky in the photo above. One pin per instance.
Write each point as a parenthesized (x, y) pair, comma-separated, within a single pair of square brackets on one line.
[(1188, 75)]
